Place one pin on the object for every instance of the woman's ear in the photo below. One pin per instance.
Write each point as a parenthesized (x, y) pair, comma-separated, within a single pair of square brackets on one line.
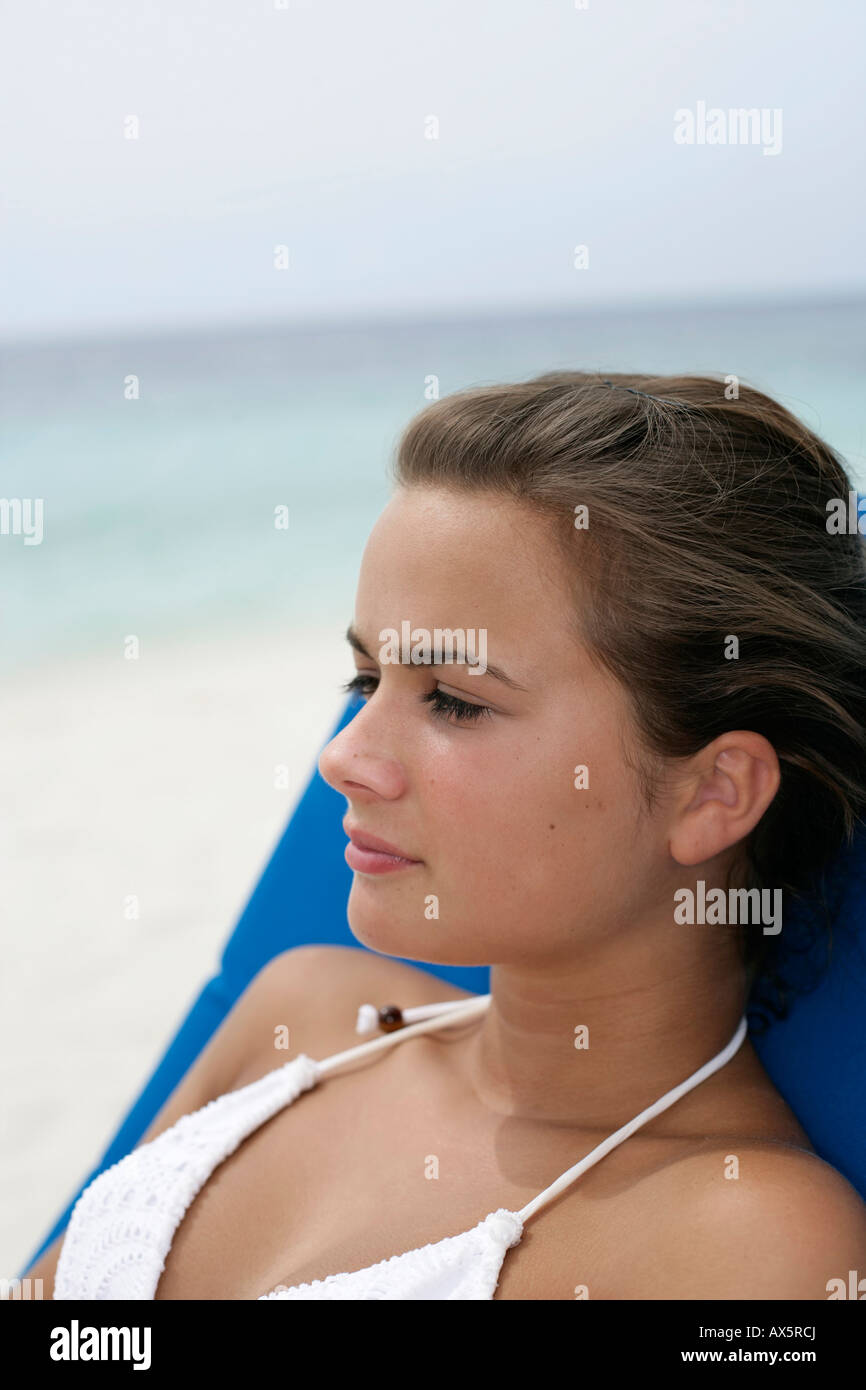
[(725, 790)]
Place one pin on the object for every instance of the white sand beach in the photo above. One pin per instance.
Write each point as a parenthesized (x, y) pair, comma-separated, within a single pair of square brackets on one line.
[(153, 778)]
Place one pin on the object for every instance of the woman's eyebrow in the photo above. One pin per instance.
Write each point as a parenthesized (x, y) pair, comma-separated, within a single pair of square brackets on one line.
[(496, 671)]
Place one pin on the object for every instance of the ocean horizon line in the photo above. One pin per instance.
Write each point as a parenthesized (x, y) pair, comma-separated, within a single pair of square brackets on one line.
[(851, 299)]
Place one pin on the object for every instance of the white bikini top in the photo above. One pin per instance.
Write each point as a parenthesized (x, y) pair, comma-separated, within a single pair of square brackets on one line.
[(123, 1224)]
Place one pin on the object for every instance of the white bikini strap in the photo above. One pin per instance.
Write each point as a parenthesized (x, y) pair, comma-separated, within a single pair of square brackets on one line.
[(450, 1012), (619, 1135)]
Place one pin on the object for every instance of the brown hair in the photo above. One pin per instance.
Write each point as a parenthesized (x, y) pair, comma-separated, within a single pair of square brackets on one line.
[(707, 519)]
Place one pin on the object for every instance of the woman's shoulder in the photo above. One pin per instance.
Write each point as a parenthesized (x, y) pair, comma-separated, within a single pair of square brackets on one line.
[(337, 967), (747, 1219), (306, 999)]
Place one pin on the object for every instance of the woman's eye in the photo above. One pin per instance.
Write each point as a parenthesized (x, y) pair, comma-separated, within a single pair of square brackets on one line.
[(360, 684), (443, 705)]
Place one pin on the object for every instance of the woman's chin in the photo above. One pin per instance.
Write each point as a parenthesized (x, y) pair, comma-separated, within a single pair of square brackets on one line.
[(392, 935)]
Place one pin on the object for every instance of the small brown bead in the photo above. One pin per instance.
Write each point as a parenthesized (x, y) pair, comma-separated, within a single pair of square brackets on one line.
[(390, 1018)]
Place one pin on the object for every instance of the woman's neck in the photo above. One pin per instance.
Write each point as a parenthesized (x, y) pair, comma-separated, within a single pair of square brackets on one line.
[(593, 1042)]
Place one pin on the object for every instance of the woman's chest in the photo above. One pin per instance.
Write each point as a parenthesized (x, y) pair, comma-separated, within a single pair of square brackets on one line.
[(364, 1167)]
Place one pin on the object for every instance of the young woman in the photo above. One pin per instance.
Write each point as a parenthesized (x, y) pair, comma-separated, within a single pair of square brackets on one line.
[(613, 658)]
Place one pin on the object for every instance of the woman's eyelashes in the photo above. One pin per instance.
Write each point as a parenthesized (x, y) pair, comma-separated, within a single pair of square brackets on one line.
[(445, 704), (442, 704)]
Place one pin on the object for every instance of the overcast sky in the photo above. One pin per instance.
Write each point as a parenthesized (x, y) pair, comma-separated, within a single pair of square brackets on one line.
[(304, 126)]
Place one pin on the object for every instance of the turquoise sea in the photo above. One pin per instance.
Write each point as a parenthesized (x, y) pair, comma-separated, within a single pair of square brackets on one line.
[(159, 512)]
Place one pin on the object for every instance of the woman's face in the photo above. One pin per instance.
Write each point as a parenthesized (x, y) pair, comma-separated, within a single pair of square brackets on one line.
[(514, 863)]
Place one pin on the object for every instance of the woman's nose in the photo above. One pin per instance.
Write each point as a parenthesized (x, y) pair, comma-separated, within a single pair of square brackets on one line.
[(357, 767)]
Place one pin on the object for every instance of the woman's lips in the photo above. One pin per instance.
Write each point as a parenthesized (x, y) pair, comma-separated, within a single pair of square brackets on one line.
[(367, 854)]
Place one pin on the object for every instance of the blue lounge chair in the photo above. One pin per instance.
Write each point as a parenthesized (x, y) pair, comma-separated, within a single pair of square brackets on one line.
[(816, 1057)]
